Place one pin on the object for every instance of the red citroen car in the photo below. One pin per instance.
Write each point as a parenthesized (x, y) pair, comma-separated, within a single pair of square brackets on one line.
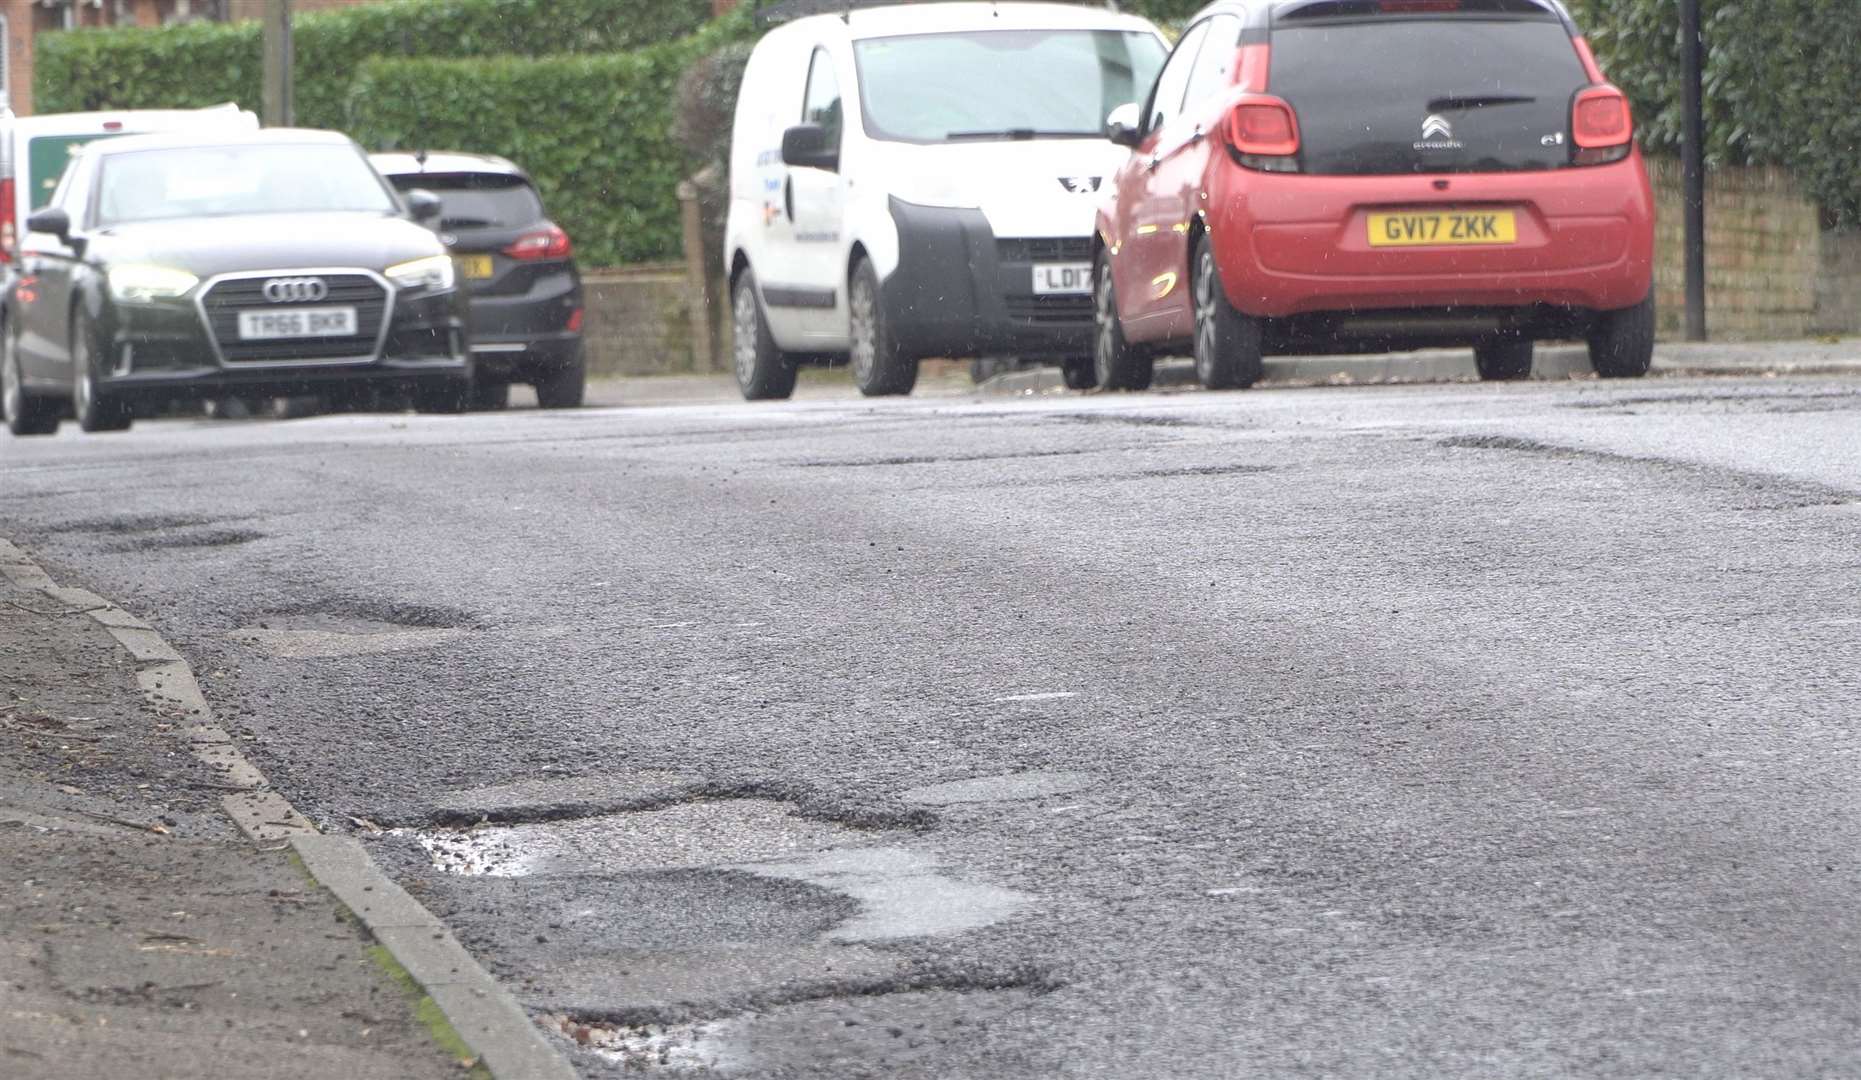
[(1330, 176)]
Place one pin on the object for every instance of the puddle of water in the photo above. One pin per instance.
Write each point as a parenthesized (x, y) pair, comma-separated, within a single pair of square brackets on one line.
[(902, 893), (684, 836), (700, 1047), (1015, 786), (322, 644)]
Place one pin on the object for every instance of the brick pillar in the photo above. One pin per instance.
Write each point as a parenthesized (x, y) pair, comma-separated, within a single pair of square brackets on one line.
[(147, 12), (20, 19)]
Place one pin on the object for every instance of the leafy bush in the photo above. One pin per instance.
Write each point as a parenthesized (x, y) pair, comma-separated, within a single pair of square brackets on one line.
[(198, 64), (595, 131)]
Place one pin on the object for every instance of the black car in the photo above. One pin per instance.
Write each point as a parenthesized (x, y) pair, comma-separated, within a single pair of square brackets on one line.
[(519, 266), (193, 266)]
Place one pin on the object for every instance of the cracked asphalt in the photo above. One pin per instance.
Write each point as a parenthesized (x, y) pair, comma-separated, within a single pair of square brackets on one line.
[(1459, 730)]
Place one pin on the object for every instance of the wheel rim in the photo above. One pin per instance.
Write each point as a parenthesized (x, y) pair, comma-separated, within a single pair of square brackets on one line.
[(744, 347), (864, 330), (12, 394), (81, 389), (1104, 344), (1205, 314)]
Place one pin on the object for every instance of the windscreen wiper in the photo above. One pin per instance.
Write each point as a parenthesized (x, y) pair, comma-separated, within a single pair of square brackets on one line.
[(1477, 101), (1020, 134)]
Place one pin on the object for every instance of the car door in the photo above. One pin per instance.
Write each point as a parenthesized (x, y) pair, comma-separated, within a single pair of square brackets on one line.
[(1149, 217), (815, 202), (48, 267)]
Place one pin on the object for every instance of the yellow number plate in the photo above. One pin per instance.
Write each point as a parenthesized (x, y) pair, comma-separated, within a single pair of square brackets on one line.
[(475, 266), (1457, 227)]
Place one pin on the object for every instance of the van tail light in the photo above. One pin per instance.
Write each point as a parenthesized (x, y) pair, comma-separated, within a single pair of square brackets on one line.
[(1263, 134), (549, 242), (1601, 126), (9, 228)]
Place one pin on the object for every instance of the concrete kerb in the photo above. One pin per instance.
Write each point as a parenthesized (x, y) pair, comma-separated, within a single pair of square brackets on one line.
[(484, 1014), (1551, 363)]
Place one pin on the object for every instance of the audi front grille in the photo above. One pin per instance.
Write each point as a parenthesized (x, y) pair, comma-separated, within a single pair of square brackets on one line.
[(226, 298)]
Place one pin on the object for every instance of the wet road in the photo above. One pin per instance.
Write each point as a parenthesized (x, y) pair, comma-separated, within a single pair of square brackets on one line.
[(1417, 732)]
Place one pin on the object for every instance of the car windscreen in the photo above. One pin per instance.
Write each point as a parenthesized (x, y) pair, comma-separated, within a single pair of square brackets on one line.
[(1414, 93), (1001, 84), (218, 181), (478, 200)]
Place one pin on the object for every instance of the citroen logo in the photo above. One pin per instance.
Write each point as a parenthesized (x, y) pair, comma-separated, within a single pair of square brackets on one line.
[(1081, 185), (1437, 127), (296, 290)]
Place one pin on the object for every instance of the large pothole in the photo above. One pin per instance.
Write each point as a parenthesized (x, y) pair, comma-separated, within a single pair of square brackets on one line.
[(339, 628)]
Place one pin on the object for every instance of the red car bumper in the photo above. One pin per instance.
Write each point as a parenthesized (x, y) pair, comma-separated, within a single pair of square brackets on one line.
[(1294, 244)]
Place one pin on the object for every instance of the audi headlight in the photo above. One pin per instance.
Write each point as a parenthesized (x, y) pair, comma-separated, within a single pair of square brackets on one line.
[(433, 272), (139, 284)]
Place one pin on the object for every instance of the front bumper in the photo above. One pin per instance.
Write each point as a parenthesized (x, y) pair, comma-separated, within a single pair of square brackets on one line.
[(171, 350), (961, 291)]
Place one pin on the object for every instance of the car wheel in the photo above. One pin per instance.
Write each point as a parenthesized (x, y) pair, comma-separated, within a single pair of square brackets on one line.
[(564, 387), (763, 372), (95, 408), (1116, 363), (1622, 342), (1227, 342), (488, 396), (1079, 373), (1504, 359), (880, 368), (26, 413)]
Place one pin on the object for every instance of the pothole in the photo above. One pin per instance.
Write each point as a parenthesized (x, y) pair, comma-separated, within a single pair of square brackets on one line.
[(700, 1047), (350, 628), (211, 538), (1009, 788), (902, 893), (688, 835)]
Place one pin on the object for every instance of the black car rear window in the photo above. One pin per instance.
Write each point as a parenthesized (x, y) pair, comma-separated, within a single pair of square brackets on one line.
[(478, 200), (1459, 91)]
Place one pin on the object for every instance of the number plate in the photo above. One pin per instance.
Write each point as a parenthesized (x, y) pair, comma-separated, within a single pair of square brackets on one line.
[(1061, 279), (1434, 229), (475, 267), (297, 323)]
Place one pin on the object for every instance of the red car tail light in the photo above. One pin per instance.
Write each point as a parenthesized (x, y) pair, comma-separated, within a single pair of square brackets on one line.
[(9, 228), (1264, 134), (1601, 125), (549, 242)]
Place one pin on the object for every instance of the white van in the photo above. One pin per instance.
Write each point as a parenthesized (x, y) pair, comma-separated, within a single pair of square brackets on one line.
[(921, 180), (35, 149)]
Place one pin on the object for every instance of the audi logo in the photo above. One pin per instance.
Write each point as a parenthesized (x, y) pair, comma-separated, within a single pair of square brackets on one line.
[(296, 290)]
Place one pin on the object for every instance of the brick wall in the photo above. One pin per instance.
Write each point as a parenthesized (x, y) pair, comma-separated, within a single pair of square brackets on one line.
[(636, 322), (253, 9), (1764, 255)]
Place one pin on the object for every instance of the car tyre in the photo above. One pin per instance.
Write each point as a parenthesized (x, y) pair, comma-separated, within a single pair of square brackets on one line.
[(26, 413), (1116, 363), (566, 386), (1079, 373), (1622, 342), (764, 373), (490, 396), (96, 409), (880, 367), (1228, 342), (1504, 359)]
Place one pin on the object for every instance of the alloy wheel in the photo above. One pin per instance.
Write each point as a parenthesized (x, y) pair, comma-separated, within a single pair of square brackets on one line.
[(1205, 329), (863, 329), (743, 347), (81, 389), (1106, 328), (12, 389)]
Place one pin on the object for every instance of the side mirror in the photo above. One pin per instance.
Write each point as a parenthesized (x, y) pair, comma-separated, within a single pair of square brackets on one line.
[(423, 204), (1123, 125), (51, 220), (804, 146)]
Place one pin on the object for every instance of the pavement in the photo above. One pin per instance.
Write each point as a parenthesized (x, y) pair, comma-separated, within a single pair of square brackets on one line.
[(1555, 362), (1445, 730)]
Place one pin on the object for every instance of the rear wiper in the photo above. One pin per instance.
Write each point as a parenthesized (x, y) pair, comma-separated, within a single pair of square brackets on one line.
[(1020, 134), (464, 223), (1477, 101)]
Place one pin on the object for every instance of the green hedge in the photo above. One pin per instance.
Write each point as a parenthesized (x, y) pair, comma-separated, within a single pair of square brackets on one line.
[(595, 131), (206, 63)]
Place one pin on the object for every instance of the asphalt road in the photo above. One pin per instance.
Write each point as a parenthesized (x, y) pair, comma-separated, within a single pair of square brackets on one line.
[(1459, 731)]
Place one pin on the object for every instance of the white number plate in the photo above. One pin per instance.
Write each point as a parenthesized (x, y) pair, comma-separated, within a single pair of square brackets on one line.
[(297, 323), (1051, 279)]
